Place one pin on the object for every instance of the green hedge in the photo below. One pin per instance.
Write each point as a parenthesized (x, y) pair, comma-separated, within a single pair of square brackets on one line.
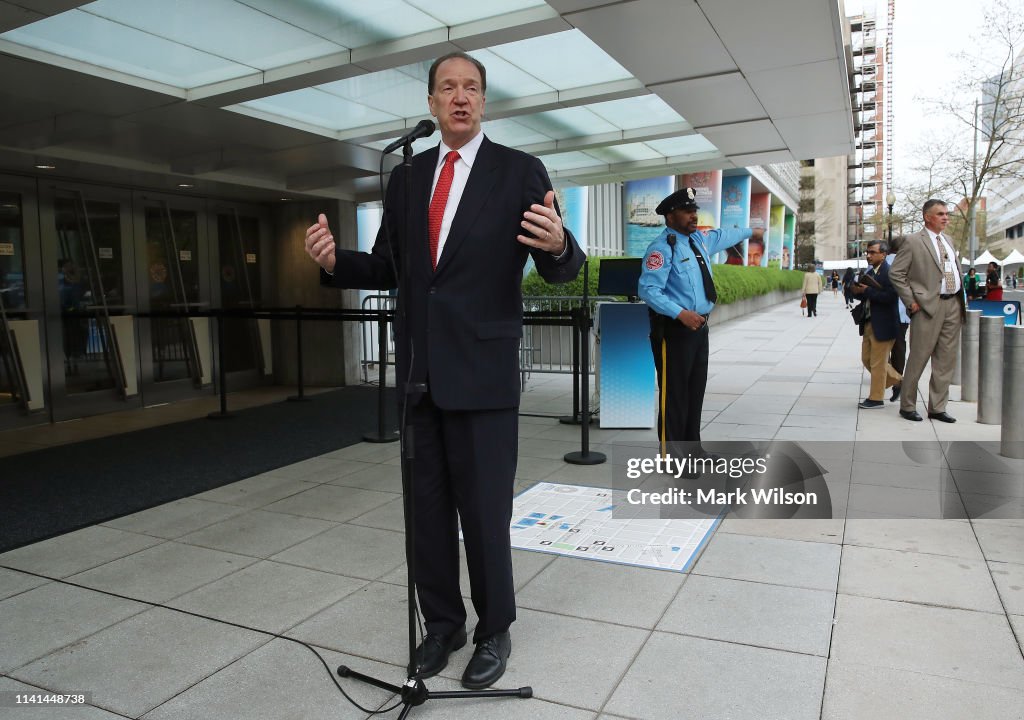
[(733, 282)]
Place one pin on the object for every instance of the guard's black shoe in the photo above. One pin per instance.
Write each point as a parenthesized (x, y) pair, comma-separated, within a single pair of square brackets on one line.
[(942, 417), (911, 415), (870, 404), (488, 662), (432, 654), (896, 392)]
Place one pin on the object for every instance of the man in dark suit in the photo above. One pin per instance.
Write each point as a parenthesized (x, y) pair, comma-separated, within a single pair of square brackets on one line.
[(478, 209), (879, 326)]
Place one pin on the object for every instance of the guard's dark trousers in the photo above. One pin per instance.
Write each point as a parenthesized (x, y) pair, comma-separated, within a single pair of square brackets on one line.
[(681, 357)]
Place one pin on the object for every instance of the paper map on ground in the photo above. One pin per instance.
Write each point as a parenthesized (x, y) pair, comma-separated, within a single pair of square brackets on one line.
[(577, 521)]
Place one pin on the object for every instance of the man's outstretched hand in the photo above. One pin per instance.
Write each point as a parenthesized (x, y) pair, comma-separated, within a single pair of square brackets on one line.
[(543, 223), (320, 244)]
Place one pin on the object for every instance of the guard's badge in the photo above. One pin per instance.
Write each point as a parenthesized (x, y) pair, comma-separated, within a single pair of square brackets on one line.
[(691, 194), (655, 260)]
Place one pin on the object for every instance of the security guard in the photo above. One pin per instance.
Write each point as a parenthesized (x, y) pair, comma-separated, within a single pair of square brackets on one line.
[(677, 285)]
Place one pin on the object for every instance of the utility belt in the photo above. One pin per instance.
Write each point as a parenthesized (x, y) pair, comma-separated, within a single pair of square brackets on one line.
[(660, 324)]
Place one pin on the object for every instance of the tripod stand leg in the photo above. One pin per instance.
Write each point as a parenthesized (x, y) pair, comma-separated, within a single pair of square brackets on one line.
[(347, 672)]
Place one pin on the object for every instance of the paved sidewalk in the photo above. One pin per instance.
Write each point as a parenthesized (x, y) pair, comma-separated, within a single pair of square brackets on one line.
[(787, 619)]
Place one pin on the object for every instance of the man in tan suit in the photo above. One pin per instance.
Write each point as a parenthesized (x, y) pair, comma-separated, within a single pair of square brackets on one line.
[(926, 275)]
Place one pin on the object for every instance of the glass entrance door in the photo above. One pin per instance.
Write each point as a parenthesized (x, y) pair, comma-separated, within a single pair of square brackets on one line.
[(174, 278), (91, 328), (240, 246), (22, 359)]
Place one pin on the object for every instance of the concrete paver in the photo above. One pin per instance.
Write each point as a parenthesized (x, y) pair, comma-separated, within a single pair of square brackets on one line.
[(870, 614)]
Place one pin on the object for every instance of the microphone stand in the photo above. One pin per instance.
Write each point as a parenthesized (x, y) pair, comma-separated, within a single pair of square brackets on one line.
[(413, 692)]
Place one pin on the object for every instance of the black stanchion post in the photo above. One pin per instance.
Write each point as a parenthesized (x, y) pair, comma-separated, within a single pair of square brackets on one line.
[(381, 435), (300, 396), (222, 374), (574, 419), (584, 456)]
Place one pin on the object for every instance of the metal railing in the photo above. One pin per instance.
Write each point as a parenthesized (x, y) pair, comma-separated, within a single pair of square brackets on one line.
[(545, 348), (548, 348), (369, 347)]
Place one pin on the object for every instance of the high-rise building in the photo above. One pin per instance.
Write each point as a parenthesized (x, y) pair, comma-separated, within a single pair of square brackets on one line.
[(1005, 195), (865, 217)]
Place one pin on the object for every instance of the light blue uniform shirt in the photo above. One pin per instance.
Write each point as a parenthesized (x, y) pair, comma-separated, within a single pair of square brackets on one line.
[(672, 281)]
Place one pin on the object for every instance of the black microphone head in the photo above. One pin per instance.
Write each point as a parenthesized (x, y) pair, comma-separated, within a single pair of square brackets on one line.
[(427, 127)]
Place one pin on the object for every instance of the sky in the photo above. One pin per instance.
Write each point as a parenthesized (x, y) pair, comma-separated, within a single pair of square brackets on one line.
[(928, 36)]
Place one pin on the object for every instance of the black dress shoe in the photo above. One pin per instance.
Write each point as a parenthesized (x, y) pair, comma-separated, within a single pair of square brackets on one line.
[(896, 392), (870, 404), (432, 654), (488, 662), (911, 415), (942, 417)]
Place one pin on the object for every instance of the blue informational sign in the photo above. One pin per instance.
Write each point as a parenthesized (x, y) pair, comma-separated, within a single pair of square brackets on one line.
[(628, 377), (1008, 309)]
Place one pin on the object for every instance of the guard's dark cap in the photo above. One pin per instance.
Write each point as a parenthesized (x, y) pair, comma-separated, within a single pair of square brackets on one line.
[(685, 199)]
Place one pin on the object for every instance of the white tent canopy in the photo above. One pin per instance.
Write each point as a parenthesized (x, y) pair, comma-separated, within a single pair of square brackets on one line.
[(855, 263), (1014, 258)]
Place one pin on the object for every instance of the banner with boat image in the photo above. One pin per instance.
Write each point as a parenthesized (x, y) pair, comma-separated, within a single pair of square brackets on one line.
[(643, 225)]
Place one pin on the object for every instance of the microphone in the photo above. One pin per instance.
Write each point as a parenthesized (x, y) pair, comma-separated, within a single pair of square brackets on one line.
[(424, 128)]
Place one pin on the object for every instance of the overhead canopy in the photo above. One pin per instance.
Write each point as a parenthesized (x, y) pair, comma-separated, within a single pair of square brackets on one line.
[(300, 96)]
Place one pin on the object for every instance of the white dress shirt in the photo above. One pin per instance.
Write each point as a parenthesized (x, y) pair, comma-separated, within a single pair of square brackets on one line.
[(951, 254), (467, 156)]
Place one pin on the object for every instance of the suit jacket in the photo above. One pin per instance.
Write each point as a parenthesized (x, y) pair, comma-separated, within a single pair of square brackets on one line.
[(916, 274), (885, 314), (465, 319)]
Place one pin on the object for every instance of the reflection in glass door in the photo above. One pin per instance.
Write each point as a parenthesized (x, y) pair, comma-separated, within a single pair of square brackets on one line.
[(90, 281), (172, 266), (14, 389), (238, 242)]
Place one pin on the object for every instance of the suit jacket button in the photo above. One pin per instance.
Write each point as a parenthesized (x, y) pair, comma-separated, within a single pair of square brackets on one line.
[(433, 291)]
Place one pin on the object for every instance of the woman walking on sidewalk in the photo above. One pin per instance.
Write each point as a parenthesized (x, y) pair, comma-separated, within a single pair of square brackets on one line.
[(812, 287)]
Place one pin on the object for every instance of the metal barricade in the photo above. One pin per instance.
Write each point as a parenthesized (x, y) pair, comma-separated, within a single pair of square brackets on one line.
[(368, 333), (548, 348)]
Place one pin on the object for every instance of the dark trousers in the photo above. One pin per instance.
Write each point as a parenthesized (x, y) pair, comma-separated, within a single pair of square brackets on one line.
[(812, 304), (681, 358), (464, 469), (898, 356)]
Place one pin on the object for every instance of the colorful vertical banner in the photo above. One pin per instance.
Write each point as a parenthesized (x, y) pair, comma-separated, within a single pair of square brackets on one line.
[(788, 256), (643, 225), (760, 204), (573, 205), (778, 229), (735, 214), (708, 186)]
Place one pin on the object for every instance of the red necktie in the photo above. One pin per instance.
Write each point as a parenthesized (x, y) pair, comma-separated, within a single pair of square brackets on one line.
[(439, 202)]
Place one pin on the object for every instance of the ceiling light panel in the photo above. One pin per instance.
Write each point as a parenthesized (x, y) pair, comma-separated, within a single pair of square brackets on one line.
[(315, 107), (87, 38), (563, 60), (570, 161), (221, 28), (687, 145), (636, 112)]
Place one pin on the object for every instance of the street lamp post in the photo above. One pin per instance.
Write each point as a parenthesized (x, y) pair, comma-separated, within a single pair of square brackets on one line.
[(890, 200)]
